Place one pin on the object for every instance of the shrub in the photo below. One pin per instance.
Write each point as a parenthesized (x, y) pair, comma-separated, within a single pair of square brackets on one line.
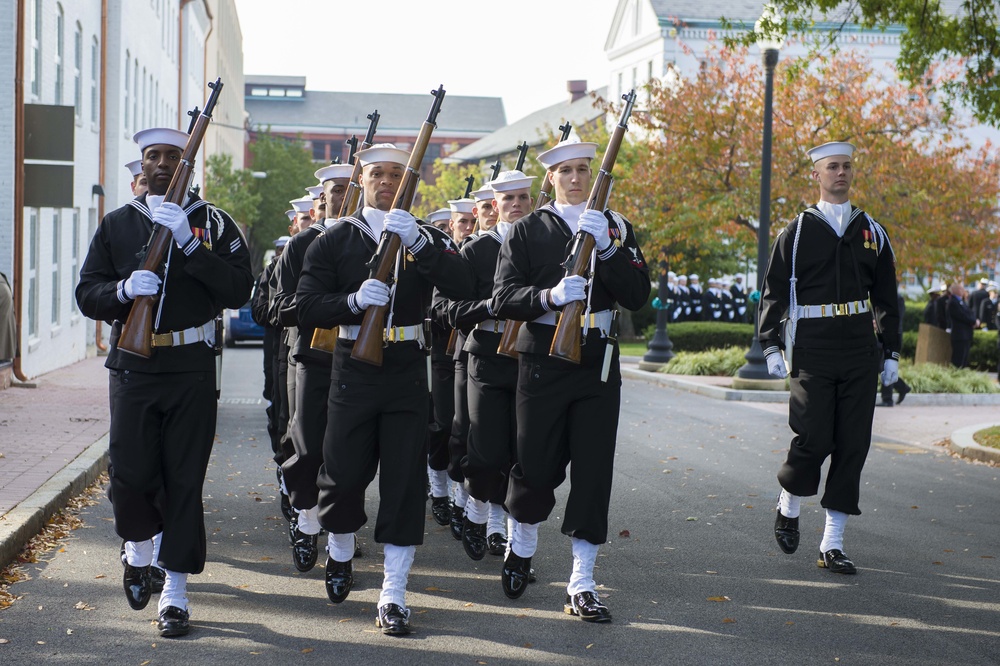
[(694, 336), (913, 314), (930, 378), (719, 362), (982, 355)]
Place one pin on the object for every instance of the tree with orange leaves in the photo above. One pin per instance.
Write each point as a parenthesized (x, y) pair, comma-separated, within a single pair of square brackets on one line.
[(697, 186)]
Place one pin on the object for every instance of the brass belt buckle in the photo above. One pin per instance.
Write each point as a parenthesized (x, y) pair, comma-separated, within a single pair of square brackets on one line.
[(841, 309)]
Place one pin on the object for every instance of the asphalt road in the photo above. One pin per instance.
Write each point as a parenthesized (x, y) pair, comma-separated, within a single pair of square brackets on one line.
[(691, 573)]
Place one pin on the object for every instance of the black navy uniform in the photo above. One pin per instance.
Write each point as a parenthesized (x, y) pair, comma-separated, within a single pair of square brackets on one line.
[(163, 408), (565, 413)]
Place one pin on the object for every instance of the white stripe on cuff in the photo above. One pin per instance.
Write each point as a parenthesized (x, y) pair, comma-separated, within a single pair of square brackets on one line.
[(606, 254), (417, 245), (191, 246), (352, 302), (122, 296)]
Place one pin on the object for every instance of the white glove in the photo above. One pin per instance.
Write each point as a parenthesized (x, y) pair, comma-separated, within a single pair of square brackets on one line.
[(174, 218), (594, 223), (372, 292), (570, 288), (402, 224), (890, 372), (142, 283), (776, 365)]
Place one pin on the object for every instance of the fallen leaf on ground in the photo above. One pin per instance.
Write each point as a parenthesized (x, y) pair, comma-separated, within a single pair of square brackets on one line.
[(719, 599), (728, 620), (624, 534), (306, 650)]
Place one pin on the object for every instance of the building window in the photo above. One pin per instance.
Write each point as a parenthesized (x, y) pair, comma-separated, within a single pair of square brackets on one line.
[(36, 50), (258, 92), (635, 77), (135, 95), (128, 88), (95, 55), (33, 273), (78, 71), (276, 92), (56, 251), (60, 34), (143, 124), (75, 258)]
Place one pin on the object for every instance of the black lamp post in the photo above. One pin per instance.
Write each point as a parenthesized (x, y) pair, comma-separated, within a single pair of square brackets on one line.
[(660, 348), (769, 43)]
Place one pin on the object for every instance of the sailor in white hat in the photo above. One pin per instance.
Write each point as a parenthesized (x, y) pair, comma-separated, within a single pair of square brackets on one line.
[(825, 268), (531, 286), (463, 219), (335, 178), (376, 417), (303, 207), (138, 183), (485, 212), (440, 218)]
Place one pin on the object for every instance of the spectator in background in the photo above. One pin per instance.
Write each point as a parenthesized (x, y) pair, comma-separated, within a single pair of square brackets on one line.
[(941, 308), (8, 326), (930, 311), (976, 298), (987, 312), (962, 323)]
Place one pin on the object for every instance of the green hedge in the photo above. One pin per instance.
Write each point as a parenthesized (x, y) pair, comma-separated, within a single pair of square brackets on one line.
[(696, 336), (982, 355), (913, 315)]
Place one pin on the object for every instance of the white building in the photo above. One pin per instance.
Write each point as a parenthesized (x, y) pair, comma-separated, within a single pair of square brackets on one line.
[(153, 52)]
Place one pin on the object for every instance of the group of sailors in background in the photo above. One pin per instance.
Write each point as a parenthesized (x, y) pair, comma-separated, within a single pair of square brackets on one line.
[(724, 300)]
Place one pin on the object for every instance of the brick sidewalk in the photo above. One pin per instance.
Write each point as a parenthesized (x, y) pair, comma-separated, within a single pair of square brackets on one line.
[(45, 428)]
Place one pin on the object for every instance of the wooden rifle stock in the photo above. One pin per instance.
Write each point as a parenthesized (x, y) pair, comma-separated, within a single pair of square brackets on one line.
[(372, 335), (508, 339), (566, 343), (325, 339), (137, 333)]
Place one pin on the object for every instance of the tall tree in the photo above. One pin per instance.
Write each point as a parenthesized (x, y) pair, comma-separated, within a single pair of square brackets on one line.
[(231, 190)]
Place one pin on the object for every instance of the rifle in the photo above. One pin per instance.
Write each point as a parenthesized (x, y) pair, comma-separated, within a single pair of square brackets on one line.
[(566, 341), (325, 339), (508, 339), (372, 336), (137, 333), (468, 186), (522, 152)]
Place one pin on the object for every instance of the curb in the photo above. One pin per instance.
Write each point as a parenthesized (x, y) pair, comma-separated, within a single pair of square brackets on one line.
[(27, 519), (720, 393), (961, 442)]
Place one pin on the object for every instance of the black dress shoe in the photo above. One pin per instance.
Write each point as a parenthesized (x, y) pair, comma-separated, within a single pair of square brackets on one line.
[(393, 620), (902, 394), (441, 510), (786, 533), (157, 577), (286, 504), (339, 579), (836, 561), (474, 539), (514, 575), (173, 622), (587, 607), (138, 586), (304, 551), (457, 521), (496, 543)]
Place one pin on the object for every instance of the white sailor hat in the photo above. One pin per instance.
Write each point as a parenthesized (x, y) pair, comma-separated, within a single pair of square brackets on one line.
[(134, 167), (382, 152), (302, 204), (992, 286), (290, 214), (439, 215), (484, 193), (281, 241), (983, 282), (671, 274), (693, 276), (334, 171), (830, 149), (314, 191), (160, 135), (682, 277), (511, 180), (461, 205), (570, 149)]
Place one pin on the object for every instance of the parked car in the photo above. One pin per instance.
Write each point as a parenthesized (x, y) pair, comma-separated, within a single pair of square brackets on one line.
[(239, 325)]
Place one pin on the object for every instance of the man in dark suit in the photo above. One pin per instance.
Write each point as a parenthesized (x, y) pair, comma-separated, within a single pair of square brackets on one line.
[(987, 311), (962, 323), (976, 298)]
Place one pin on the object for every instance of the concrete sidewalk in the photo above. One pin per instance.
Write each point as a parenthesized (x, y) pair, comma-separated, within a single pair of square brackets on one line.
[(53, 437)]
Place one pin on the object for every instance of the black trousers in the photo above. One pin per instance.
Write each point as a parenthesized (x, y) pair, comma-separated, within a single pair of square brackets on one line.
[(960, 352), (280, 400), (459, 438), (376, 423), (565, 414), (492, 447), (162, 429), (308, 427), (830, 410), (443, 399)]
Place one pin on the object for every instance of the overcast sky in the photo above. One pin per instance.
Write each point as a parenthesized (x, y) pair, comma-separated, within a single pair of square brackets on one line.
[(523, 51)]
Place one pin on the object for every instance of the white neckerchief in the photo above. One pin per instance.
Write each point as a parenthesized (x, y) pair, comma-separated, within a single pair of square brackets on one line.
[(375, 219), (570, 214), (837, 215), (328, 222), (153, 202), (502, 228)]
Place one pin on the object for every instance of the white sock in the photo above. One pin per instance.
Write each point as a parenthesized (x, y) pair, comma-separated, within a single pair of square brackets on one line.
[(439, 482), (497, 521), (476, 511), (174, 591), (284, 488), (460, 494), (398, 560), (584, 557), (833, 532), (524, 539), (157, 540), (340, 547), (309, 521), (788, 504), (511, 526), (139, 553)]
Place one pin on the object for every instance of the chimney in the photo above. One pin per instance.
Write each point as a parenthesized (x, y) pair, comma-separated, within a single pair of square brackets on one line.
[(577, 90)]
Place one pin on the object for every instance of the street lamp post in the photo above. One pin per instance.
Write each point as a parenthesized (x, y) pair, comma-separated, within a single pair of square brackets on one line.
[(770, 43), (660, 348)]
